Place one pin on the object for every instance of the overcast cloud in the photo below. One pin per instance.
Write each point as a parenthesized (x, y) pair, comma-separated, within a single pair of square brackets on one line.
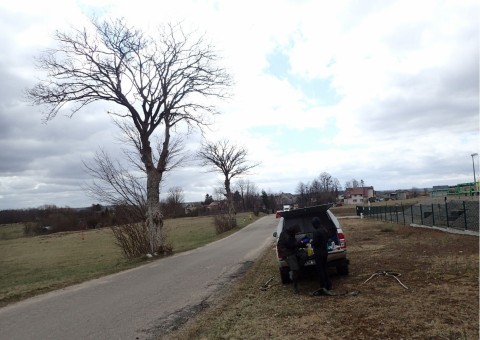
[(384, 91)]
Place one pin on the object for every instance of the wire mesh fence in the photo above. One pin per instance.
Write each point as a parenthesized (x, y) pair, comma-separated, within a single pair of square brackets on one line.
[(461, 215)]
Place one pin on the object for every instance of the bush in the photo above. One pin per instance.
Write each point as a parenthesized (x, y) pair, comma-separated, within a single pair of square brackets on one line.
[(32, 229), (224, 223), (134, 241), (132, 233)]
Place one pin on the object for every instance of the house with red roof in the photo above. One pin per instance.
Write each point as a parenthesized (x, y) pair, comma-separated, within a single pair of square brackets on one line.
[(358, 195)]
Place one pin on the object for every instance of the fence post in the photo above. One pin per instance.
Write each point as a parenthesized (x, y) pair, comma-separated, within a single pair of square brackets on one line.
[(385, 213), (421, 214), (433, 216), (411, 210), (403, 213), (396, 212), (446, 213), (465, 215)]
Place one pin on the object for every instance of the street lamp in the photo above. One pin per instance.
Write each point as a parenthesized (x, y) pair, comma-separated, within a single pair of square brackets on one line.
[(474, 178)]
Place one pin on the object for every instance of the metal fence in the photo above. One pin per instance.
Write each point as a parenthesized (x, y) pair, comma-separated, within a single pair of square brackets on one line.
[(461, 215)]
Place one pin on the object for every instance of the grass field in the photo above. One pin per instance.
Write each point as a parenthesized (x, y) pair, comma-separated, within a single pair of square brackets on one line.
[(34, 265), (440, 270)]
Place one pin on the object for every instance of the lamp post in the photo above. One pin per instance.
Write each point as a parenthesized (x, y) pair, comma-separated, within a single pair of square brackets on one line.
[(474, 178)]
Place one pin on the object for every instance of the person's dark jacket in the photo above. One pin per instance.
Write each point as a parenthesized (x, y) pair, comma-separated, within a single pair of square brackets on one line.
[(320, 238), (287, 244)]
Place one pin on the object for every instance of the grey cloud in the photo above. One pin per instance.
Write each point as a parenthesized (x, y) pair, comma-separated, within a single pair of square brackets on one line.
[(433, 99)]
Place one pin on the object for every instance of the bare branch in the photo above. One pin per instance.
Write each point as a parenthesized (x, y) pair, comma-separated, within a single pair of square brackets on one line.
[(115, 185)]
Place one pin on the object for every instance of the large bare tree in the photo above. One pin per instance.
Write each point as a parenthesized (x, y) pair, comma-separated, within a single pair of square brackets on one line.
[(228, 159), (158, 81)]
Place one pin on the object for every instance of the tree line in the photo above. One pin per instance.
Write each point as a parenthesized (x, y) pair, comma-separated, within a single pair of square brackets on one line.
[(323, 189)]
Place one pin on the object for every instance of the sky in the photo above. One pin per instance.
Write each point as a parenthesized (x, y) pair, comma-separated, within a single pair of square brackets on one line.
[(381, 91)]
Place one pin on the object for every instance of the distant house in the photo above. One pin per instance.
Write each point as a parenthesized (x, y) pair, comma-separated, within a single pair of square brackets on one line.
[(402, 195), (190, 208), (213, 207), (358, 195), (439, 191), (391, 196)]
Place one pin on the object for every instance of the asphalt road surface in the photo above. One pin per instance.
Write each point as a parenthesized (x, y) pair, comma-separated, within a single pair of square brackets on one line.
[(142, 303)]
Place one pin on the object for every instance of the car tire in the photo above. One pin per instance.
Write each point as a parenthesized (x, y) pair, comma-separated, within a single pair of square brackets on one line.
[(342, 270), (285, 275)]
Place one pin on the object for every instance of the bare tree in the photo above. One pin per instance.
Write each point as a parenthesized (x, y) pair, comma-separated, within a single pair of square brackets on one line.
[(336, 185), (174, 201), (251, 195), (303, 192), (322, 190), (229, 160), (241, 187), (159, 81), (353, 183), (326, 181)]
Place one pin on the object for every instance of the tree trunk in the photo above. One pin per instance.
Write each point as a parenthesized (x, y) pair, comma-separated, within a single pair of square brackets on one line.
[(154, 214), (154, 218), (231, 208)]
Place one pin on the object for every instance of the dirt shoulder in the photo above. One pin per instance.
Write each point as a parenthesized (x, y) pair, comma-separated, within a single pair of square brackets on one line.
[(441, 272)]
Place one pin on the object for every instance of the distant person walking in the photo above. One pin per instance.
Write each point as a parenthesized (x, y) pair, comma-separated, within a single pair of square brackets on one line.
[(319, 244)]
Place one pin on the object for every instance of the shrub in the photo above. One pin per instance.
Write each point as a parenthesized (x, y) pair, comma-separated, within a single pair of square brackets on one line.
[(134, 241), (32, 229), (224, 223)]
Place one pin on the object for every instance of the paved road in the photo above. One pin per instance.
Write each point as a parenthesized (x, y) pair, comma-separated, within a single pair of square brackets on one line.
[(140, 303)]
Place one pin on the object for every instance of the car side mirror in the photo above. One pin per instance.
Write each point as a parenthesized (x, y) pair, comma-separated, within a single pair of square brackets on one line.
[(275, 234)]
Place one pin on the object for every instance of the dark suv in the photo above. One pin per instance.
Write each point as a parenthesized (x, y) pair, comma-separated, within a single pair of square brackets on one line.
[(337, 247)]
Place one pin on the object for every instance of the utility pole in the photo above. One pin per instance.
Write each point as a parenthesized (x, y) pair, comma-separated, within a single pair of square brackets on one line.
[(474, 178)]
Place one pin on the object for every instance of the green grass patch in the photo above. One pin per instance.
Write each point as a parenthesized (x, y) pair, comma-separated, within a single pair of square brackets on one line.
[(33, 265), (11, 231)]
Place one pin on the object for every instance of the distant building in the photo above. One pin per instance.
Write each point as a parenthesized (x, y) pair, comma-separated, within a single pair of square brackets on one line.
[(213, 207), (399, 195), (190, 208), (462, 189), (358, 195), (439, 191)]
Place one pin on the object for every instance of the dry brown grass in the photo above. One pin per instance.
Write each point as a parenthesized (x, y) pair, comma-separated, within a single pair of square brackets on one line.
[(442, 302)]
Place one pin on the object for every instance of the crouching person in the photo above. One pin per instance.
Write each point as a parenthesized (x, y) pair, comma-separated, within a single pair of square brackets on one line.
[(287, 248)]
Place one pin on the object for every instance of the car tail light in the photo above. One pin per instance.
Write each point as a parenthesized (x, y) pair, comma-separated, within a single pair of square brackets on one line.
[(343, 243), (277, 215)]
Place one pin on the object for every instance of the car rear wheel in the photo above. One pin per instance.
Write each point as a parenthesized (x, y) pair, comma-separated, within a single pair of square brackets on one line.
[(285, 275)]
